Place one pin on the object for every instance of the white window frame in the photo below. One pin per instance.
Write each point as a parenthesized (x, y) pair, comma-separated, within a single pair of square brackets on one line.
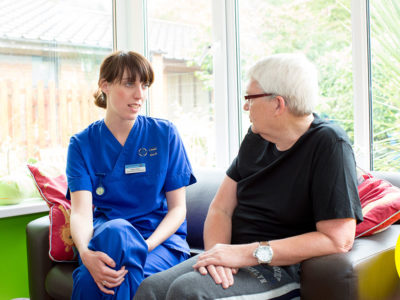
[(130, 28), (361, 78), (130, 25), (226, 80)]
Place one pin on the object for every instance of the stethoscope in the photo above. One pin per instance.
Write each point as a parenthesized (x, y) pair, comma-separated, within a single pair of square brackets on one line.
[(100, 190)]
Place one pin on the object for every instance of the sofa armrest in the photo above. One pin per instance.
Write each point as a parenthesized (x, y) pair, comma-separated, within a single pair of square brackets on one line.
[(368, 271), (39, 263), (392, 177)]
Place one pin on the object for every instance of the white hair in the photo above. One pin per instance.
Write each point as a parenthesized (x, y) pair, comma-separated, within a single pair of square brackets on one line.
[(291, 76)]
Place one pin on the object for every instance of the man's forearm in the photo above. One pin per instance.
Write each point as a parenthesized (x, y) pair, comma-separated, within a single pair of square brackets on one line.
[(217, 229), (334, 236)]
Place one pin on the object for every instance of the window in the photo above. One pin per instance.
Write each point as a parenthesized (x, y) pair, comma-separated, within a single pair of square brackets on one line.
[(50, 54), (385, 74), (179, 43), (321, 30)]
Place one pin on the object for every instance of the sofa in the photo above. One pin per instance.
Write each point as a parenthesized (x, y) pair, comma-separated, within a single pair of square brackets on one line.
[(367, 272)]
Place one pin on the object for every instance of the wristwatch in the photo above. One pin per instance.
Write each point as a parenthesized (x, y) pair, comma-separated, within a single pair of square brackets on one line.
[(263, 253)]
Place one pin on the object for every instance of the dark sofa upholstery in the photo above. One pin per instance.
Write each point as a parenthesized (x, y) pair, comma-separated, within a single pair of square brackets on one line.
[(366, 272)]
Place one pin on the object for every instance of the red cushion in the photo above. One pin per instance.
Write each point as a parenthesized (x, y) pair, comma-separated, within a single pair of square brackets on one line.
[(380, 202), (53, 189)]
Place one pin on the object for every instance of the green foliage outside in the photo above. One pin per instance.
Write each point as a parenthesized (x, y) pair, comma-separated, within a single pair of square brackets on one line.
[(321, 29), (385, 45)]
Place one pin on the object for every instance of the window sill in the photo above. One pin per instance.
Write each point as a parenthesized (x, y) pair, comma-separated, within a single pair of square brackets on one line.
[(26, 207)]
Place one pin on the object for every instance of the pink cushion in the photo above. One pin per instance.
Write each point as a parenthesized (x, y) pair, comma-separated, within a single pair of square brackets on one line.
[(380, 202), (53, 189)]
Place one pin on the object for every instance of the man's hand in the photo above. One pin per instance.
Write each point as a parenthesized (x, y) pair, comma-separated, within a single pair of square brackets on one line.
[(222, 261), (100, 267), (221, 275), (233, 256)]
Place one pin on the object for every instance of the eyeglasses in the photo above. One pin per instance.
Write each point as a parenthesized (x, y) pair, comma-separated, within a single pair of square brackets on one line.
[(248, 97)]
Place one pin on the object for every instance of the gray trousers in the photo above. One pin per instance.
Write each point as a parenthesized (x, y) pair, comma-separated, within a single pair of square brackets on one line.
[(258, 282)]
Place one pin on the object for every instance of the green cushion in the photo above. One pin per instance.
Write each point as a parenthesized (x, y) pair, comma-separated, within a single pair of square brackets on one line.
[(17, 187)]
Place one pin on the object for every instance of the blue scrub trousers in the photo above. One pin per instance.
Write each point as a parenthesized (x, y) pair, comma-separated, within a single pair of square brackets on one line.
[(126, 246)]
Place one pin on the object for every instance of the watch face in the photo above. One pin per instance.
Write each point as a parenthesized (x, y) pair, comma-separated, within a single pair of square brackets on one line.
[(264, 254)]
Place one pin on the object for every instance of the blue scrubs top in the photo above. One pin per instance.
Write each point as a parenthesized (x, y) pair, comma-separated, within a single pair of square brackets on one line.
[(130, 181)]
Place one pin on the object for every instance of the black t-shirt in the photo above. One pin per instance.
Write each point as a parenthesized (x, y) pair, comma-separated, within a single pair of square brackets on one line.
[(282, 194)]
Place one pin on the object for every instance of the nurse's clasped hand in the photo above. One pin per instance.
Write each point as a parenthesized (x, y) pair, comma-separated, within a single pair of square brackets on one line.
[(100, 266), (221, 275)]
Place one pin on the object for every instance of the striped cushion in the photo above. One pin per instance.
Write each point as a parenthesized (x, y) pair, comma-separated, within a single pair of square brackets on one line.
[(380, 202)]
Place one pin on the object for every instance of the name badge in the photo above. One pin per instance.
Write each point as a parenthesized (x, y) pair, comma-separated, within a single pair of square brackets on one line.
[(135, 168)]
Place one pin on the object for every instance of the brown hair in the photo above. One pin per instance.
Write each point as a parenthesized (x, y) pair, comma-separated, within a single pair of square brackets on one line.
[(113, 67)]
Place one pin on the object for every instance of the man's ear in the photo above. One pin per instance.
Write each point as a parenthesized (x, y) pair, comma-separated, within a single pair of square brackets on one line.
[(104, 86), (280, 104)]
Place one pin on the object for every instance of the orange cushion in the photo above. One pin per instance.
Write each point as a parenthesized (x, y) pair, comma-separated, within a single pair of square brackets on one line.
[(53, 190), (380, 202)]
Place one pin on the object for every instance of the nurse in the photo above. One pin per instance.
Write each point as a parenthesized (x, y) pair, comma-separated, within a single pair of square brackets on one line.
[(126, 176)]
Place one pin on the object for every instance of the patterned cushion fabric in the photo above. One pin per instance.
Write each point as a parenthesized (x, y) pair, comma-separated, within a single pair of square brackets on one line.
[(380, 202), (52, 188)]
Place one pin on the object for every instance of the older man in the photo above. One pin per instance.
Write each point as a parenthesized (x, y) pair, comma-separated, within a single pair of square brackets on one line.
[(289, 195)]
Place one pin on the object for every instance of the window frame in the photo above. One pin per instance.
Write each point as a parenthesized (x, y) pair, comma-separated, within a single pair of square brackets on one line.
[(361, 84)]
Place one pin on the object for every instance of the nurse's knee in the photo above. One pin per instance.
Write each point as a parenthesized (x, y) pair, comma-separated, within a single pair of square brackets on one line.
[(113, 234), (117, 225), (115, 228)]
